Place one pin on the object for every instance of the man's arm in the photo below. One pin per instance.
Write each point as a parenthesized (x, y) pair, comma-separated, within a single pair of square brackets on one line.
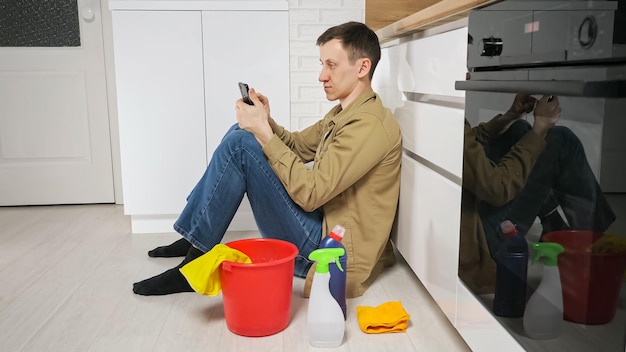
[(522, 104), (499, 183), (351, 151), (257, 120)]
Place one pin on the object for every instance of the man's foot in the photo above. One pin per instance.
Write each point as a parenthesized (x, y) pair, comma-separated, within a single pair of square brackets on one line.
[(553, 222), (168, 282), (176, 249)]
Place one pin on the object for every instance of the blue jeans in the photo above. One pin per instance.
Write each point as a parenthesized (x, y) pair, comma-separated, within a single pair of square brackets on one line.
[(238, 166), (562, 176)]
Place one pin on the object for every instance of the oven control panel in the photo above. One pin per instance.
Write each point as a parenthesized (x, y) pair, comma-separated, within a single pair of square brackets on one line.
[(532, 33)]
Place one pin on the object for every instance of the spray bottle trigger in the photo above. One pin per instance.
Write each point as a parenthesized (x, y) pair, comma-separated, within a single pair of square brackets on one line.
[(547, 250), (324, 256), (338, 262)]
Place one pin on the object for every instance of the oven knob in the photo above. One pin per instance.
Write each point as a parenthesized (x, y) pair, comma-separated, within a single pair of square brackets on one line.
[(491, 47), (587, 32)]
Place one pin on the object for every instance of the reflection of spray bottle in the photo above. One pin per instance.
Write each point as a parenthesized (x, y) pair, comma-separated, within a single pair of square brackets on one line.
[(543, 316), (512, 263), (325, 317)]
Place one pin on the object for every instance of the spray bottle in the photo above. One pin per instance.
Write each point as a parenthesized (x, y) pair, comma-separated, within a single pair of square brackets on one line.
[(337, 277), (325, 317), (543, 317)]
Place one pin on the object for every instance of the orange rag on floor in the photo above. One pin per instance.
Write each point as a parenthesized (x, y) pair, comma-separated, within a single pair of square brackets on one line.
[(387, 317), (203, 272)]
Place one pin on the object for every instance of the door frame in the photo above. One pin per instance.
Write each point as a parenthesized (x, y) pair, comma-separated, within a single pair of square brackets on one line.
[(107, 39)]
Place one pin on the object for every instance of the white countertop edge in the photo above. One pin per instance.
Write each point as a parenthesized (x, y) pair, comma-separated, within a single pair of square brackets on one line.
[(209, 5)]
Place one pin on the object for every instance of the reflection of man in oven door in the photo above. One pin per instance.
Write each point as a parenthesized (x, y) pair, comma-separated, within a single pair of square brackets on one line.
[(516, 171)]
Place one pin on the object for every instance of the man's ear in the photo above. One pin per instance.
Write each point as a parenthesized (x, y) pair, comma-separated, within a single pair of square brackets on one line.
[(364, 67)]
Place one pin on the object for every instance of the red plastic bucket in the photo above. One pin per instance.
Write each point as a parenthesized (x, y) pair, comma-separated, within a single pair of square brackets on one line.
[(590, 281), (257, 296)]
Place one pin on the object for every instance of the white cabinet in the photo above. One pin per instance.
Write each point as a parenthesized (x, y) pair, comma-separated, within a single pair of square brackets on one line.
[(177, 66), (246, 46), (160, 96), (415, 78), (428, 230)]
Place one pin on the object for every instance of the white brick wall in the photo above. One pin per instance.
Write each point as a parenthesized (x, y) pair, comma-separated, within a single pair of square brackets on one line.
[(307, 20)]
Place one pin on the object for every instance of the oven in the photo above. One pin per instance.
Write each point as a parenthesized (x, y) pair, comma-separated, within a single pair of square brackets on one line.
[(575, 50)]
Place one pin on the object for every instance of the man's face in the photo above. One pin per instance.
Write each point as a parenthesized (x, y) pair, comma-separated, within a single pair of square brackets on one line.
[(339, 77)]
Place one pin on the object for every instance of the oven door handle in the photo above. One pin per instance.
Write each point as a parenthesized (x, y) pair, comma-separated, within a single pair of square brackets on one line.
[(591, 89)]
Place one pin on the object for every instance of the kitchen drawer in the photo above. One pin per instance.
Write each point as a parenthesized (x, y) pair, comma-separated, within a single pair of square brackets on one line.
[(434, 63), (434, 133)]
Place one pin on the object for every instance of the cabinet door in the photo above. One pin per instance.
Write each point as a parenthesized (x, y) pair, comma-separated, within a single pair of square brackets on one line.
[(159, 81), (250, 47), (428, 230), (244, 46)]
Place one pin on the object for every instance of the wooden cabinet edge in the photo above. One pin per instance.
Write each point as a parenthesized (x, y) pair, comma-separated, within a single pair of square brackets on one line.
[(440, 13)]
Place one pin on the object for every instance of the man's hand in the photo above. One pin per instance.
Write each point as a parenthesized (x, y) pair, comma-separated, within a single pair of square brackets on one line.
[(523, 104), (547, 113), (255, 118)]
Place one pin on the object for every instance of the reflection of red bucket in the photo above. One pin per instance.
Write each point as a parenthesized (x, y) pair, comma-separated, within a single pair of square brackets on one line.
[(257, 296), (591, 281)]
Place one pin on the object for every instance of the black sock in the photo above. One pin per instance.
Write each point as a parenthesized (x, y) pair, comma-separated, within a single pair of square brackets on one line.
[(553, 222), (176, 249), (170, 281)]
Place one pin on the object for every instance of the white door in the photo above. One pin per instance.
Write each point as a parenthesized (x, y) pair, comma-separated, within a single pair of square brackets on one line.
[(54, 129)]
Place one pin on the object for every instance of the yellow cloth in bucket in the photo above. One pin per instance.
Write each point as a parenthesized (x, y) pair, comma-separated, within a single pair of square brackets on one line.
[(203, 272), (611, 244), (608, 243), (387, 317)]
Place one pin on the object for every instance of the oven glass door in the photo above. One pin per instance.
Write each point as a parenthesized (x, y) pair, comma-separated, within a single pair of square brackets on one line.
[(573, 193)]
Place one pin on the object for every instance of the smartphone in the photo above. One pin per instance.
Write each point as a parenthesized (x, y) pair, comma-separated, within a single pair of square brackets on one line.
[(244, 93)]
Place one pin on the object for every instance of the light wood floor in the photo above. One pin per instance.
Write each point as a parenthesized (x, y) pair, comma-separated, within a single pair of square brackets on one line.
[(66, 275)]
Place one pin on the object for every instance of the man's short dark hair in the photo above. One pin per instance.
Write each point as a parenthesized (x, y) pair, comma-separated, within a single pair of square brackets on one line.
[(357, 39)]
